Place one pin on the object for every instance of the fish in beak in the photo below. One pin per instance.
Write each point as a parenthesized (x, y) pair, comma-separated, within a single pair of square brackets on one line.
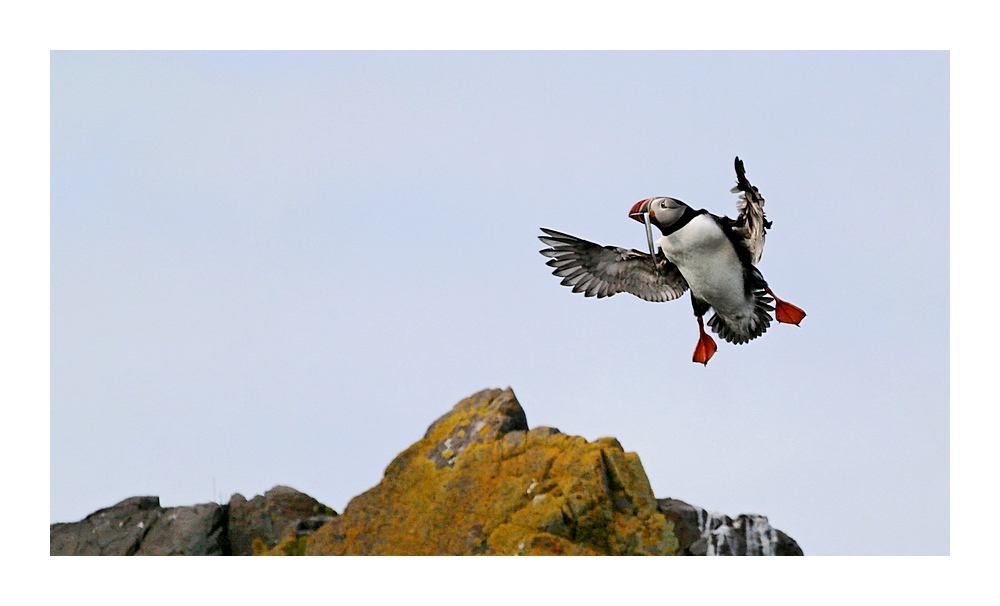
[(640, 213)]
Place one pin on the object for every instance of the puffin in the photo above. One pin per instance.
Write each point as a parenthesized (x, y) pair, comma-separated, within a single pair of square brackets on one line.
[(713, 256)]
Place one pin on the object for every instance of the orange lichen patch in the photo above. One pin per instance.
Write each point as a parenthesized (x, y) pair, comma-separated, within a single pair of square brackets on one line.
[(258, 547), (293, 546), (479, 483)]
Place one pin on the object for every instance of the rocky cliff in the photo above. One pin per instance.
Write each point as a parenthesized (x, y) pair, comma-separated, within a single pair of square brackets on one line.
[(478, 482), (139, 526)]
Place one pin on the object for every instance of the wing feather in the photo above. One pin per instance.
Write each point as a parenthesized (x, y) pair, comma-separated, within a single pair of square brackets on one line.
[(751, 226), (603, 271)]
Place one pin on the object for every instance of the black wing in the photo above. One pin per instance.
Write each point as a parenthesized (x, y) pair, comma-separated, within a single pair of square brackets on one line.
[(751, 226), (608, 270)]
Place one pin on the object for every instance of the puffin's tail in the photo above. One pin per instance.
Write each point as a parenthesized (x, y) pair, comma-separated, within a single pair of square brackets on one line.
[(747, 327)]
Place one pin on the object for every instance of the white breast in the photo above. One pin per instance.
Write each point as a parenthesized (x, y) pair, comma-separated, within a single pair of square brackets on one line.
[(707, 260)]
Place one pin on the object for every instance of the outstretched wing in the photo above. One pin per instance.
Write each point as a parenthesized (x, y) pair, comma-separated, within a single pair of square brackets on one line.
[(751, 226), (607, 270)]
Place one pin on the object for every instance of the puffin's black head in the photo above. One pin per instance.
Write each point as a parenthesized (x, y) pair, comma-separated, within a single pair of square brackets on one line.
[(663, 212)]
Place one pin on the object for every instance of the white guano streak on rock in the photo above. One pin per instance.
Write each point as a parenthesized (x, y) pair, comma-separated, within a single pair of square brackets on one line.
[(759, 537)]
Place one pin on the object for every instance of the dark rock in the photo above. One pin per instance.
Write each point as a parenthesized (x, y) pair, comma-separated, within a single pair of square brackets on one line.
[(115, 530), (786, 546), (686, 524), (307, 526), (139, 526), (701, 532), (267, 519), (195, 530)]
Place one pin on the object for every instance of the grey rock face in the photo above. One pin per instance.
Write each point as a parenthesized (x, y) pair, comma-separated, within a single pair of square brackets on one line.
[(701, 532), (195, 530), (139, 526), (115, 530), (269, 518)]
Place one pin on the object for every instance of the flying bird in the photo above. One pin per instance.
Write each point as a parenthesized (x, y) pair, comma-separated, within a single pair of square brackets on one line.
[(715, 257)]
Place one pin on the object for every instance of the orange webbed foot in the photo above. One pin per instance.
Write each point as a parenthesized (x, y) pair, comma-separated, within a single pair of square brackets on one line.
[(785, 312), (705, 348)]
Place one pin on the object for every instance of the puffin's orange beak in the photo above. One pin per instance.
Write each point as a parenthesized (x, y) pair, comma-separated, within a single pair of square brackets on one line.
[(638, 210)]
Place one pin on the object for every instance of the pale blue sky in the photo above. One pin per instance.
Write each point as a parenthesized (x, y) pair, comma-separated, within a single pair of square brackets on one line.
[(280, 268)]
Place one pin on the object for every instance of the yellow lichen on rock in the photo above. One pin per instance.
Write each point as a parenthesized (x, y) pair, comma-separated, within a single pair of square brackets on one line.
[(480, 483)]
